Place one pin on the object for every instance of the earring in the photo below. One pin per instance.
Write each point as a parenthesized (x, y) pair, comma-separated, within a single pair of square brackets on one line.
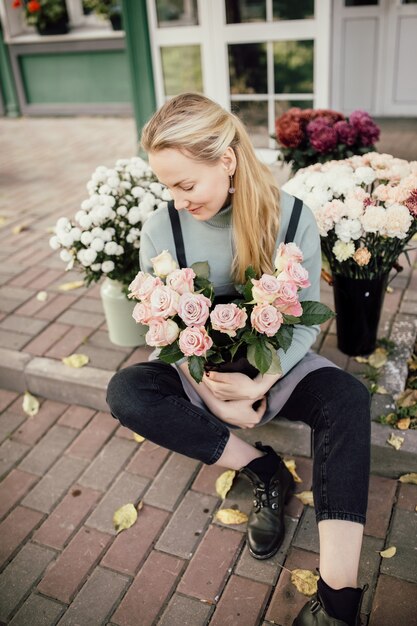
[(231, 188)]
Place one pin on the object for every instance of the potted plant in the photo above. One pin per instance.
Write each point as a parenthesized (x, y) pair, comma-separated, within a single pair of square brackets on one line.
[(49, 17), (108, 9), (103, 238)]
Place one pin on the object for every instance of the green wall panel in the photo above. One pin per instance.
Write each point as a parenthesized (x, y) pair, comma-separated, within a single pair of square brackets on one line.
[(76, 77)]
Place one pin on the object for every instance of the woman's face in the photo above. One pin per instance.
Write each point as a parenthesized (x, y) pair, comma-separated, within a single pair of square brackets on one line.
[(199, 188)]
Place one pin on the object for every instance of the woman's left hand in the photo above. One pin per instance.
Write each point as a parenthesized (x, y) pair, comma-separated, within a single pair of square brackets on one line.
[(234, 386)]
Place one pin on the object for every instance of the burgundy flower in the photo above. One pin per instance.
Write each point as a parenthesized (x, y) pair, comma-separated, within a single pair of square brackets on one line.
[(368, 131), (288, 128), (322, 136), (411, 203), (346, 133)]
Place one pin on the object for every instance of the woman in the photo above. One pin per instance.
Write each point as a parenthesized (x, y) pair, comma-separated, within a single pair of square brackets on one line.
[(228, 211)]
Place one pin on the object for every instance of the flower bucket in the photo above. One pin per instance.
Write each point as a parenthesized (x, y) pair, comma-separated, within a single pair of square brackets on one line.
[(123, 330), (358, 304)]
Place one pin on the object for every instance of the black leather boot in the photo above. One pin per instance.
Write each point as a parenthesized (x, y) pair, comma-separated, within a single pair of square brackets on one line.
[(314, 614), (265, 531)]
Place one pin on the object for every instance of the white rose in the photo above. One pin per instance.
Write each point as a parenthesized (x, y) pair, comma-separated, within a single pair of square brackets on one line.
[(107, 266), (54, 243), (163, 264), (86, 238), (97, 244), (348, 229)]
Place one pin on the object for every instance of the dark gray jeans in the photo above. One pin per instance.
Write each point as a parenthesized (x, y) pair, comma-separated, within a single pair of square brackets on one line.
[(149, 399)]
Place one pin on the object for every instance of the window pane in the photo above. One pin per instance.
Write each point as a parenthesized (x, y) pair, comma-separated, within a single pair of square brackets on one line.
[(293, 66), (247, 68), (255, 117), (181, 67), (290, 10), (283, 105), (360, 3), (238, 11), (177, 12)]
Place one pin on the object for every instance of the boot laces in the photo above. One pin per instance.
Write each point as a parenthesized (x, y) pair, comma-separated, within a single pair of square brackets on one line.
[(266, 496)]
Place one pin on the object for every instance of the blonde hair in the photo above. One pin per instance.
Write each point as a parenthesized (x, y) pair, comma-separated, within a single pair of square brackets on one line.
[(202, 130)]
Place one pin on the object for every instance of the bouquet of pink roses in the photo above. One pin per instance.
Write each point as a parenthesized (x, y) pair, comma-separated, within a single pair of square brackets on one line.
[(179, 307)]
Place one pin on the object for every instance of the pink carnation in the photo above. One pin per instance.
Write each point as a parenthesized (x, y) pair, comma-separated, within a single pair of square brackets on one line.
[(227, 318), (161, 333), (182, 281), (266, 319), (193, 309), (194, 341), (265, 289), (296, 273), (143, 285), (164, 302)]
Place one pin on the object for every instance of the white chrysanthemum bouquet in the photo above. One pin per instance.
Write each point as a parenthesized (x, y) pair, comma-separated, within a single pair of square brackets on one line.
[(104, 236), (366, 210)]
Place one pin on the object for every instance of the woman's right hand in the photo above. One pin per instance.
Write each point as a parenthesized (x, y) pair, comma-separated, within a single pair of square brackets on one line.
[(241, 412)]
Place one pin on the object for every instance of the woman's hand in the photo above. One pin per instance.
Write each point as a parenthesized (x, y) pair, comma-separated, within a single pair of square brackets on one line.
[(234, 386), (241, 412)]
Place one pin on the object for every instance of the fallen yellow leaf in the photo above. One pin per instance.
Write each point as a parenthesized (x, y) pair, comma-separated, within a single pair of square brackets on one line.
[(231, 516), (409, 478), (290, 463), (76, 284), (138, 438), (389, 289), (404, 423), (124, 517), (305, 581), (224, 483), (306, 497), (3, 220), (381, 390), (76, 360), (42, 296), (30, 404), (395, 441), (407, 398), (388, 553), (18, 229), (378, 358), (361, 359)]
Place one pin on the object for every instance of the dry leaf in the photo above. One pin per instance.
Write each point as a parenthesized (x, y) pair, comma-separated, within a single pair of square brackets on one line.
[(231, 516), (409, 478), (18, 229), (388, 553), (306, 497), (404, 423), (124, 517), (290, 463), (361, 359), (138, 438), (3, 220), (378, 358), (42, 296), (305, 581), (30, 404), (76, 360), (224, 483), (381, 390), (75, 284), (395, 441), (389, 289), (407, 398), (51, 230)]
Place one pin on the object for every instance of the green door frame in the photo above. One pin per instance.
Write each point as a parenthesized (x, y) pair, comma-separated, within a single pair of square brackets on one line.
[(7, 84)]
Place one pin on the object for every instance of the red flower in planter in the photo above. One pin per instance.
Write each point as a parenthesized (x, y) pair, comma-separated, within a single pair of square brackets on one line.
[(33, 6), (16, 4)]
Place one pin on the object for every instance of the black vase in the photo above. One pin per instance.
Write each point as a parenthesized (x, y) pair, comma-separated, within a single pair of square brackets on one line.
[(116, 21), (358, 304), (54, 28)]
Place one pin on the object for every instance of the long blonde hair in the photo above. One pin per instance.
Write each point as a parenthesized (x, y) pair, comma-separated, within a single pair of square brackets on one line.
[(202, 130)]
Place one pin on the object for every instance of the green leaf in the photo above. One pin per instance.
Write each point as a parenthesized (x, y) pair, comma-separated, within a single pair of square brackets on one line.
[(315, 313), (201, 269), (171, 353), (263, 356), (247, 291), (215, 358), (250, 273), (291, 319), (249, 337), (234, 348), (250, 355), (284, 337), (275, 367), (196, 367)]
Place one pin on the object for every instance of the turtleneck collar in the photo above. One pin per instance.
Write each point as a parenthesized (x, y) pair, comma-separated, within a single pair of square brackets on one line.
[(222, 219)]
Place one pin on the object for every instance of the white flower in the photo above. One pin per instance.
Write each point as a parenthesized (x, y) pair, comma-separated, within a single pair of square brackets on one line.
[(85, 221), (65, 256), (97, 244), (86, 257), (54, 243), (79, 215), (137, 192), (108, 234), (134, 215), (348, 229), (110, 248), (156, 188), (75, 233), (125, 184), (86, 238), (96, 267), (121, 210), (113, 182), (66, 239), (104, 190), (63, 224), (107, 266), (163, 264), (343, 250), (120, 250), (166, 195), (374, 219), (398, 221), (364, 175)]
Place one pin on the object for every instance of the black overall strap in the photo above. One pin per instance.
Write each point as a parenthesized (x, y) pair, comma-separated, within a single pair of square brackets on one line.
[(294, 219), (177, 232)]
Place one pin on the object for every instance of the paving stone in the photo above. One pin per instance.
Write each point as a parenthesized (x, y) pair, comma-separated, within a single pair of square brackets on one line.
[(307, 536), (54, 484), (38, 611), (100, 338), (127, 488), (20, 576), (392, 603), (12, 369), (10, 453), (171, 482), (369, 569), (48, 449), (387, 461), (55, 306), (125, 433), (142, 535), (26, 277), (14, 293), (106, 588), (6, 398), (15, 528), (66, 575), (330, 351), (242, 602), (149, 591), (407, 497), (13, 341), (71, 342), (380, 503), (76, 417), (32, 306), (187, 524), (93, 437), (35, 427), (81, 318), (403, 535), (102, 358), (140, 355), (205, 481), (148, 460), (267, 571), (9, 422), (206, 574), (46, 278), (286, 437), (107, 464), (65, 519), (13, 488), (183, 611), (21, 324), (43, 342), (90, 305)]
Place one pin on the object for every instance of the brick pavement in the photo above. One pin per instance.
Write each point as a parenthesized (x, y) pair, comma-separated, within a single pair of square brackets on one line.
[(65, 471)]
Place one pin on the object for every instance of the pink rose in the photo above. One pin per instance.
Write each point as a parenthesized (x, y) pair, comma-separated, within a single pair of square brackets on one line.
[(265, 289), (164, 302), (193, 309), (181, 281), (142, 313), (143, 285), (295, 273), (195, 341), (285, 252), (287, 300), (161, 333), (266, 319), (227, 318)]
